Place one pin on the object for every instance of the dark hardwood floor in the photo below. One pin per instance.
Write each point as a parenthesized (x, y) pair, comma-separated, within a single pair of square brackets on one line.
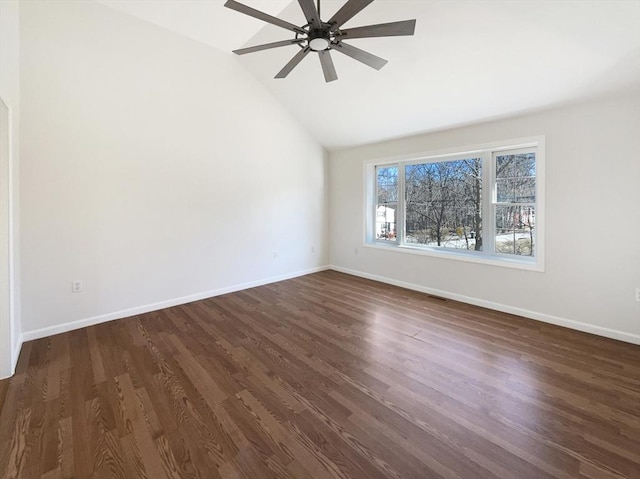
[(323, 376)]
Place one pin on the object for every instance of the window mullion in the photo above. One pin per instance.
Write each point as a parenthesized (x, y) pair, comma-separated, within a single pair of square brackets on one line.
[(401, 225), (374, 205), (488, 203)]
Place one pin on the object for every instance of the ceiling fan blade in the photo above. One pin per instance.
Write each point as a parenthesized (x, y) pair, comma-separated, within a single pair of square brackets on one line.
[(328, 68), (347, 12), (267, 46), (310, 13), (360, 55), (293, 63), (405, 27), (252, 12)]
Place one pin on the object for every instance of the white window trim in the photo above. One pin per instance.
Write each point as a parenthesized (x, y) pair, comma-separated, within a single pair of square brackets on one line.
[(485, 151)]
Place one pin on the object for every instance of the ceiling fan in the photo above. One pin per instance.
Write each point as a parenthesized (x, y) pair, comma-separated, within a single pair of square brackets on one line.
[(322, 37)]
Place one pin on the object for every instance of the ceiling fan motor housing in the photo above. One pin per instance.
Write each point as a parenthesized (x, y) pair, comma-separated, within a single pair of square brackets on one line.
[(319, 38)]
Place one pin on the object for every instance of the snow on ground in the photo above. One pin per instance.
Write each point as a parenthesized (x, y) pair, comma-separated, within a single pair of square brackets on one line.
[(454, 241)]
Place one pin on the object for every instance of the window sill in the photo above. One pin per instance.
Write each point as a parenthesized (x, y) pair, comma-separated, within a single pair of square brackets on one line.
[(462, 255)]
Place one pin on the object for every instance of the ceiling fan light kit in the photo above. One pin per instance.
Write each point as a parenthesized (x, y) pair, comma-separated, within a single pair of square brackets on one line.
[(323, 37)]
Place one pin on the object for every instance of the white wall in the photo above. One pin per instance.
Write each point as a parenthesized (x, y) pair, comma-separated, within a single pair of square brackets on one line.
[(154, 169), (9, 187), (592, 220)]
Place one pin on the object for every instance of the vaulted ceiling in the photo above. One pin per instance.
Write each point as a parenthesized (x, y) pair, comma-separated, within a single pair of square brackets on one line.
[(469, 61)]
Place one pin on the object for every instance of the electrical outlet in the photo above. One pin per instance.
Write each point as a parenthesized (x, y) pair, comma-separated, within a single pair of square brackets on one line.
[(76, 286), (313, 250), (355, 251), (637, 294), (275, 254)]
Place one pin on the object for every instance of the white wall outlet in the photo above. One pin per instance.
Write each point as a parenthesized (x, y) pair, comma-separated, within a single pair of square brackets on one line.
[(313, 249), (355, 251), (275, 254), (76, 286), (637, 294)]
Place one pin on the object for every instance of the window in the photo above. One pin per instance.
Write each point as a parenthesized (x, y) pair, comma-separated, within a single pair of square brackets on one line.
[(515, 203), (482, 206), (443, 204), (387, 202)]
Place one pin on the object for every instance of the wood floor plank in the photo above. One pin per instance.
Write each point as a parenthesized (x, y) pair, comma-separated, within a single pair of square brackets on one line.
[(65, 441), (323, 376), (133, 412), (16, 465)]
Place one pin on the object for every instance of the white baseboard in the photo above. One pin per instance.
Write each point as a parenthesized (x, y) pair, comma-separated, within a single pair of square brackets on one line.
[(125, 313), (13, 360), (81, 323), (546, 318), (15, 354)]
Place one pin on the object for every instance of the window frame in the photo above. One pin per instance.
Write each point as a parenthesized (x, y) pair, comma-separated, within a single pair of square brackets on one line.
[(487, 152)]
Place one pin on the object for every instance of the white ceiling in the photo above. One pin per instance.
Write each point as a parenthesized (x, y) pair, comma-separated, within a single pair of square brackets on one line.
[(469, 61), (206, 21)]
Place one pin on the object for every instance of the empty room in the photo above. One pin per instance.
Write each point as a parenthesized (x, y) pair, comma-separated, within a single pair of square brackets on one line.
[(320, 239)]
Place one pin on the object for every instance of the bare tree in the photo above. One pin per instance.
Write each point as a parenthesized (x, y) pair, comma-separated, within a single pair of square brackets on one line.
[(444, 197)]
